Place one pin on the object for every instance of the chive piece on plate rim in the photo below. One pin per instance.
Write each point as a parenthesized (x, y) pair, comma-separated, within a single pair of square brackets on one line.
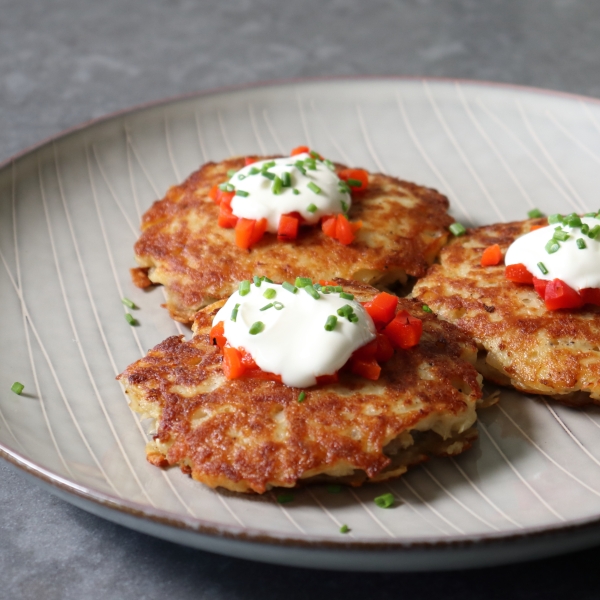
[(457, 229), (17, 388), (384, 501), (344, 528), (285, 498), (535, 213), (128, 303), (130, 319)]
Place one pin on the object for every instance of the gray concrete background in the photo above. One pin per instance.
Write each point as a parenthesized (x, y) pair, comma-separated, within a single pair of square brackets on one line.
[(63, 62)]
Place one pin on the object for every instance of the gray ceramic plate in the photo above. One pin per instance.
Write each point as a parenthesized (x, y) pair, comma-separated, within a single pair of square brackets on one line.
[(69, 214)]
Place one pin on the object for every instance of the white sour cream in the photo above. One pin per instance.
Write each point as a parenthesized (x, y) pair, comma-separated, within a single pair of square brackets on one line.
[(294, 342), (578, 268), (261, 202)]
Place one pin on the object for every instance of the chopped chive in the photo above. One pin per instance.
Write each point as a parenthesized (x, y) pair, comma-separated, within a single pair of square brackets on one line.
[(277, 185), (17, 388), (286, 179), (542, 267), (457, 229), (267, 306), (573, 221), (277, 305), (344, 206), (257, 280), (313, 187), (345, 311), (315, 154), (581, 243), (354, 183), (226, 187), (296, 191), (535, 213), (267, 280), (241, 176), (585, 228), (561, 236), (310, 164), (326, 289), (256, 327), (590, 214), (301, 396), (254, 171), (353, 318), (130, 319), (267, 165), (268, 175), (231, 172), (311, 208), (244, 287), (310, 290), (300, 166), (270, 293), (234, 312), (344, 528), (334, 489), (344, 187), (426, 308), (302, 281), (594, 231), (346, 296), (128, 303), (385, 500), (285, 498), (555, 218), (552, 246), (242, 193), (330, 323), (289, 287), (329, 164), (317, 286)]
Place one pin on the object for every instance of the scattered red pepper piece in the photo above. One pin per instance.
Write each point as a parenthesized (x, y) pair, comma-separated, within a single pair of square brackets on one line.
[(404, 331), (356, 176), (367, 368), (288, 227), (243, 232), (491, 256), (382, 308), (518, 274), (300, 150), (560, 295)]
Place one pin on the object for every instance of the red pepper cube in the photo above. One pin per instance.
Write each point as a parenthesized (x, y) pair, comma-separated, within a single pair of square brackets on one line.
[(404, 331)]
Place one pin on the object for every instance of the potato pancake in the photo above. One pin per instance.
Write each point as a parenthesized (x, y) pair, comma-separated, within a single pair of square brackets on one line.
[(183, 248), (250, 435), (522, 344)]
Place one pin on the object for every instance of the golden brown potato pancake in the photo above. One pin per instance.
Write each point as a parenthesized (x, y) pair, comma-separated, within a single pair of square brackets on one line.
[(249, 435), (183, 248), (522, 344)]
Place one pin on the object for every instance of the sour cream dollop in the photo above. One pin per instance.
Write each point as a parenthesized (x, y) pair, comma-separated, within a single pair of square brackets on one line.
[(578, 267), (314, 190), (294, 342)]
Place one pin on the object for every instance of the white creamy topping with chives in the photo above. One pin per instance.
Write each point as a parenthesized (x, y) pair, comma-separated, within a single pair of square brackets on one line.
[(304, 184), (564, 250), (293, 341)]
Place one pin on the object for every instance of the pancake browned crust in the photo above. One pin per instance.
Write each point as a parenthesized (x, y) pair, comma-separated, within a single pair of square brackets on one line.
[(522, 344), (249, 435), (184, 249)]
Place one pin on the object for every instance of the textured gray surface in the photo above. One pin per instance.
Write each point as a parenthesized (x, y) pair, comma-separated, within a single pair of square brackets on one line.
[(63, 62)]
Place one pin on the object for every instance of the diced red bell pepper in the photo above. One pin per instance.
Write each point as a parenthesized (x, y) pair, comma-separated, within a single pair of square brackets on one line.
[(288, 227), (404, 331), (300, 150), (359, 179), (249, 160), (232, 363), (217, 335), (382, 308), (590, 296), (328, 225), (326, 379), (560, 295), (366, 352), (343, 230), (540, 286), (226, 217), (367, 368), (518, 274), (244, 229), (385, 350), (215, 194), (491, 256), (259, 230)]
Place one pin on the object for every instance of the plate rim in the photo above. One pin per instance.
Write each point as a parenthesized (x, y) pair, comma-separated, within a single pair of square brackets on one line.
[(232, 532)]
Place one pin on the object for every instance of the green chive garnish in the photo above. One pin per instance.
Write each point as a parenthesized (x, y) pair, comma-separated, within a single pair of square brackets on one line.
[(535, 213), (344, 206), (296, 192), (552, 246), (573, 221), (346, 296), (426, 308), (231, 172), (310, 164), (226, 187), (313, 187), (285, 498), (344, 187), (128, 303), (542, 267), (337, 288), (289, 287), (585, 229), (310, 290), (267, 165), (354, 183), (329, 164), (270, 293), (594, 231), (234, 312), (267, 280), (353, 318), (330, 323), (301, 396), (334, 489), (130, 319), (244, 287), (267, 306), (17, 388), (300, 166), (344, 529), (241, 176), (286, 179), (277, 185), (555, 218), (345, 311), (256, 327), (242, 193), (302, 281), (581, 243), (311, 208), (457, 229), (314, 154), (385, 500), (257, 280), (254, 171), (590, 214), (561, 236), (268, 175), (277, 305)]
